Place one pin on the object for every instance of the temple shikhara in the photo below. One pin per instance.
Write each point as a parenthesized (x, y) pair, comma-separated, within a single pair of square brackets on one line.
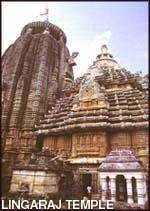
[(60, 134)]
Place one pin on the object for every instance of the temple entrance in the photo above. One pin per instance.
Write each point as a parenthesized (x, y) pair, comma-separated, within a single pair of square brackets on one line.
[(86, 181), (39, 142), (121, 188)]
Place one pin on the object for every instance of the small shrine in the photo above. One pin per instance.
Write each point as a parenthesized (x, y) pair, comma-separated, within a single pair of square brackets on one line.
[(123, 178)]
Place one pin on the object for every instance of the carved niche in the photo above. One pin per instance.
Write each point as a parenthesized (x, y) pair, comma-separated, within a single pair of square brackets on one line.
[(120, 139), (91, 95), (89, 144)]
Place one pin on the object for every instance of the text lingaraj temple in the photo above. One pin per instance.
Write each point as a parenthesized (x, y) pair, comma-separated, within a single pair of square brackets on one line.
[(61, 135)]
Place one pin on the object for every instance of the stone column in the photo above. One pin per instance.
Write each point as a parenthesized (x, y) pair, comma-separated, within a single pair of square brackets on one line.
[(141, 191), (129, 191), (113, 189), (103, 183), (146, 187)]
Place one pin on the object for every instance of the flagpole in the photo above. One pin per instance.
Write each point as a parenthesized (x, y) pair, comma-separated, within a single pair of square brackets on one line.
[(47, 18), (47, 14)]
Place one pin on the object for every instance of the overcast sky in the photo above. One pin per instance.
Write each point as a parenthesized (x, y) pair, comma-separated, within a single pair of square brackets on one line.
[(123, 26)]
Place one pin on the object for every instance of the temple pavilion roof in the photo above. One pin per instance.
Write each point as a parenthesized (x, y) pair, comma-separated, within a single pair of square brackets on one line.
[(121, 160), (105, 97)]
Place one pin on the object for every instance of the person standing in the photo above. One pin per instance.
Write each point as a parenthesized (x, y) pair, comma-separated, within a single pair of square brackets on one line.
[(89, 192)]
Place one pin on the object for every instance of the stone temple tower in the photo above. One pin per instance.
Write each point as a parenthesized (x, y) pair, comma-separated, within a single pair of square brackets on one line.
[(34, 70)]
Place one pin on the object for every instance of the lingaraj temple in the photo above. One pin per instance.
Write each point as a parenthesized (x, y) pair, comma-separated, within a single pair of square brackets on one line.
[(60, 135)]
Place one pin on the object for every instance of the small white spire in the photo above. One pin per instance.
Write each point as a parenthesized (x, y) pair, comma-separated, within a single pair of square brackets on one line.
[(104, 49)]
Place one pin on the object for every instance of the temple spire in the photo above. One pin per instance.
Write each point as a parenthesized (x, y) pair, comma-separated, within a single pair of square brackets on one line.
[(104, 49), (105, 59)]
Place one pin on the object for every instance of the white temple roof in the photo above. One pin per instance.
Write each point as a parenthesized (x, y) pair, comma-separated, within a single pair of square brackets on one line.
[(121, 160)]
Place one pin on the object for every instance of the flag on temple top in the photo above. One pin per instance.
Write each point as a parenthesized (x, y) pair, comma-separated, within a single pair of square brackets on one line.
[(43, 14)]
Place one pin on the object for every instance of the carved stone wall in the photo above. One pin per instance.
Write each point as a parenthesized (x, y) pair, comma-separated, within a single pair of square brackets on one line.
[(140, 145), (120, 139), (61, 144), (33, 74), (138, 140), (89, 144), (39, 182)]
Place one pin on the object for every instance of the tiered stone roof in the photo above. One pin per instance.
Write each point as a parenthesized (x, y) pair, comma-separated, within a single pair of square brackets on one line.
[(110, 98), (121, 160)]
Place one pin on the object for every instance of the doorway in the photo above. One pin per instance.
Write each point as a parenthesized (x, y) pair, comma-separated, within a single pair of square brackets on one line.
[(39, 142), (86, 181), (121, 188)]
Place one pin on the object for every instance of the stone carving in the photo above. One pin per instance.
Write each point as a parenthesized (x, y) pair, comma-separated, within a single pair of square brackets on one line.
[(71, 60), (46, 31), (69, 68), (29, 31)]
